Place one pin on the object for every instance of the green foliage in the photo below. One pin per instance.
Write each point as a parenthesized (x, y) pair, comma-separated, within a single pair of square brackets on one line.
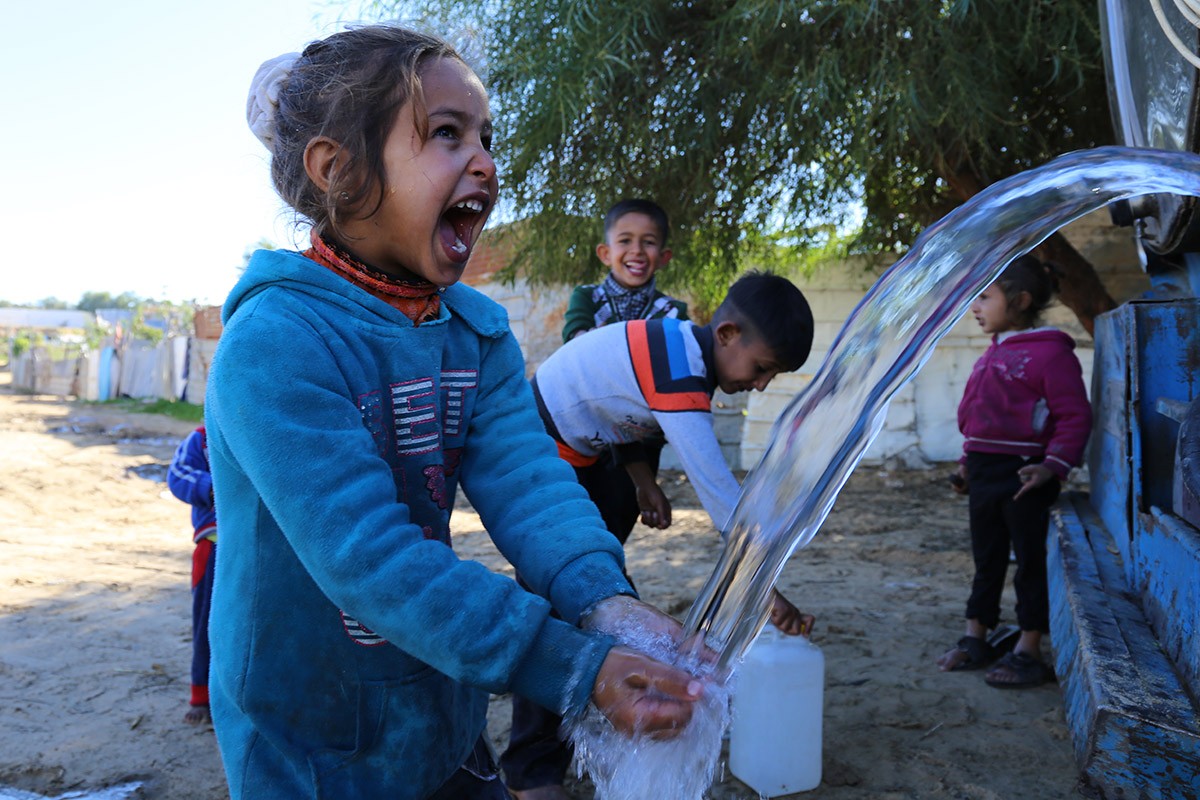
[(94, 336), (151, 320), (91, 301), (770, 117), (188, 412), (140, 330), (22, 341)]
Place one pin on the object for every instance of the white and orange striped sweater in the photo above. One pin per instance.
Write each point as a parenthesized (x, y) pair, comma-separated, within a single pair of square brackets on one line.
[(625, 383)]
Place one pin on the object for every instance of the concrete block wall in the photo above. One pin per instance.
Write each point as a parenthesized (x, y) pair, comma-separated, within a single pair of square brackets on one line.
[(535, 314)]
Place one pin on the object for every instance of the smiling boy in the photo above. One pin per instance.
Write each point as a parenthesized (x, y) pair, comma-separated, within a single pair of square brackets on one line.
[(634, 249)]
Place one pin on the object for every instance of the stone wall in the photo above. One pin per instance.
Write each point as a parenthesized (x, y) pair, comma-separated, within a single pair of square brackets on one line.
[(535, 314)]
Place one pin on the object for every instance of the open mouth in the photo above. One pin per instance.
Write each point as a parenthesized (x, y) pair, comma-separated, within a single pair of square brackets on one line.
[(458, 227)]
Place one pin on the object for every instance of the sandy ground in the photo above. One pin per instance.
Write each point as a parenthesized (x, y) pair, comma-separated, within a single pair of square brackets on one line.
[(95, 610)]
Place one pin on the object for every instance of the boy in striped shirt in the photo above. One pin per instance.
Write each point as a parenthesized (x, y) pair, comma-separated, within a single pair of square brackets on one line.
[(602, 395)]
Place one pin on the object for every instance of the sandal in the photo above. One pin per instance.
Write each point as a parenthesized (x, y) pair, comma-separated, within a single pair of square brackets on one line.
[(1025, 670), (976, 654)]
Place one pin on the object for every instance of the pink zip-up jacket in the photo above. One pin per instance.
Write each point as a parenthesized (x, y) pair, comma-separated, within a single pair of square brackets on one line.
[(1026, 397)]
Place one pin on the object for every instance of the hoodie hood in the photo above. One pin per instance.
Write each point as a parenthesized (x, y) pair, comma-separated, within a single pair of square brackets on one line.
[(298, 273)]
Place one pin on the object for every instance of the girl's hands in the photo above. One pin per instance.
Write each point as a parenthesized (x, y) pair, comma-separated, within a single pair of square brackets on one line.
[(640, 695), (1033, 476), (637, 693), (789, 619), (622, 614), (958, 480)]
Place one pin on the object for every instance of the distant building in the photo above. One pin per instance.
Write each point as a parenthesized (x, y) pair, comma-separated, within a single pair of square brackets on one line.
[(43, 320), (109, 318)]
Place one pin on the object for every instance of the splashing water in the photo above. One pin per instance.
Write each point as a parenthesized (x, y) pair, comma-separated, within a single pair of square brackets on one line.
[(638, 767), (824, 431)]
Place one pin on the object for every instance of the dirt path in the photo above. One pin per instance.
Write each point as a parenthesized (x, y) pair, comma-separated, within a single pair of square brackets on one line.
[(94, 625)]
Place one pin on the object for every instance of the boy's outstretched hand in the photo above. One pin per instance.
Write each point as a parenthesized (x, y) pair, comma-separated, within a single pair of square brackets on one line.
[(656, 508), (641, 695), (654, 505), (789, 619)]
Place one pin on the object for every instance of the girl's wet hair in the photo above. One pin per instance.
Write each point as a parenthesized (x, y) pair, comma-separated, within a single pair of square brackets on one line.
[(348, 88), (1028, 274)]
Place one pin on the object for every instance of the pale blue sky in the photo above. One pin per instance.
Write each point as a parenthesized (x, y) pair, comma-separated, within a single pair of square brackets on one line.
[(129, 163)]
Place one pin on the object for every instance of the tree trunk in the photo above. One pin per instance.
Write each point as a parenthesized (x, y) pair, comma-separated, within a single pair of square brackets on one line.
[(1080, 288)]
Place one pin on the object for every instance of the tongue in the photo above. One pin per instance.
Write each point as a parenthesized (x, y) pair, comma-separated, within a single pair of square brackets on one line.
[(455, 233)]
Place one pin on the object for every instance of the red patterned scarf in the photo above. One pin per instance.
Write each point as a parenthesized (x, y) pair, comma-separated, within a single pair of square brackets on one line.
[(418, 300)]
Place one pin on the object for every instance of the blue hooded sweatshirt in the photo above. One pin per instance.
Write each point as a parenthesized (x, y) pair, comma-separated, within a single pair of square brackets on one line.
[(353, 652), (190, 480)]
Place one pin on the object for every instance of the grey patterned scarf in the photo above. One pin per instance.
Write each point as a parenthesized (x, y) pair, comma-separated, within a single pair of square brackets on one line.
[(628, 303)]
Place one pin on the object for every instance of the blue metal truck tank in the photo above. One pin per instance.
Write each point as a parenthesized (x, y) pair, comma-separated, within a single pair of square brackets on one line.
[(1124, 565), (1124, 559)]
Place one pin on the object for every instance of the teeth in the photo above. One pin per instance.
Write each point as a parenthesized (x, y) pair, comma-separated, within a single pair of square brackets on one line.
[(470, 205)]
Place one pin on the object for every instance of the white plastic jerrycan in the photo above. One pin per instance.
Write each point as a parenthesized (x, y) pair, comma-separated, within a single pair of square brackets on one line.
[(775, 737)]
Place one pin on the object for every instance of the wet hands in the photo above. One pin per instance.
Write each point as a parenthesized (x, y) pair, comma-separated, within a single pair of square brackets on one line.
[(629, 619), (789, 619), (1033, 476), (639, 695), (636, 692)]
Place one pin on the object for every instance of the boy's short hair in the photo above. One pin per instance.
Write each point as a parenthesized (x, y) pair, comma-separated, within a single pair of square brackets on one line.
[(638, 206), (770, 307)]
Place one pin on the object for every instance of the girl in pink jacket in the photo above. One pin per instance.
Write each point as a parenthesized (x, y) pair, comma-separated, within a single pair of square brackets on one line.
[(1025, 419)]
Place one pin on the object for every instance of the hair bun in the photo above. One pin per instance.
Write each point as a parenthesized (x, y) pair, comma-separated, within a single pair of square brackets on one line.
[(263, 100)]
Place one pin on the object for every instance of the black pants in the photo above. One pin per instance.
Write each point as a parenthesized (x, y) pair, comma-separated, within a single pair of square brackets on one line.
[(477, 779), (612, 490), (536, 755), (999, 523)]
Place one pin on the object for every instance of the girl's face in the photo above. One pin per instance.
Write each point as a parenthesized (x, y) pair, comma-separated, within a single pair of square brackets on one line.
[(439, 191), (991, 310)]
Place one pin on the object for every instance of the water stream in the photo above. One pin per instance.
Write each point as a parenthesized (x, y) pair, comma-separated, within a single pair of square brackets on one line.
[(824, 431)]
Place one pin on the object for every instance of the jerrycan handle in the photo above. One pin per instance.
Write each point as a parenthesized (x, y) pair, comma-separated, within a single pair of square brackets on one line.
[(772, 636)]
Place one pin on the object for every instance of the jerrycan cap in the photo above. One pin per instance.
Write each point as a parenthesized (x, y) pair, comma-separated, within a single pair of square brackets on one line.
[(770, 634)]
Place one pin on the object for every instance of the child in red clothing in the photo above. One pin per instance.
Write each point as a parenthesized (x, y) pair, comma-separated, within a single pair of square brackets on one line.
[(189, 480), (1026, 419)]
